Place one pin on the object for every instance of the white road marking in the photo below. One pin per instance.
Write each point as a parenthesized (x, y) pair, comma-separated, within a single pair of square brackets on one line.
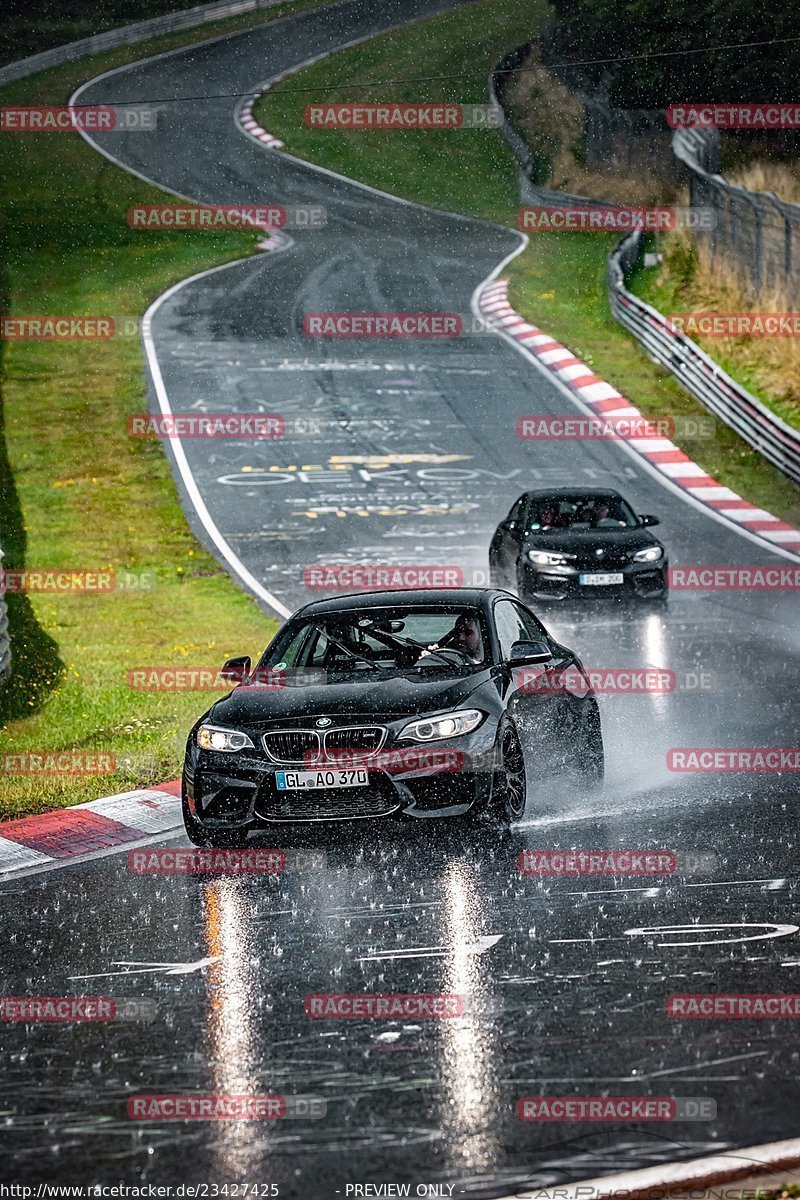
[(773, 931), (145, 968), (480, 947), (717, 1062)]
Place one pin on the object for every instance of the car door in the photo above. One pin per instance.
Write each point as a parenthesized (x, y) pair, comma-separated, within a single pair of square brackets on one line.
[(565, 678), (539, 699), (505, 545)]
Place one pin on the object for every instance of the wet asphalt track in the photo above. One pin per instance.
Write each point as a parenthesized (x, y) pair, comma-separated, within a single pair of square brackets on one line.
[(566, 986)]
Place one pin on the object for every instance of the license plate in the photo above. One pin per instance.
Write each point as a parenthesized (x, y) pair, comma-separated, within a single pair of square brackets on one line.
[(598, 579), (297, 780)]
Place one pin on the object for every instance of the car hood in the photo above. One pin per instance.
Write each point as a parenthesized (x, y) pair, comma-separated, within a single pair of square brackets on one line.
[(379, 698), (582, 541)]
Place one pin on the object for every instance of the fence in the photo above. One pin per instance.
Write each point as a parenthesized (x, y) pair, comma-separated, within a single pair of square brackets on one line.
[(5, 646), (617, 140), (698, 373), (614, 140), (529, 190), (128, 35), (755, 233)]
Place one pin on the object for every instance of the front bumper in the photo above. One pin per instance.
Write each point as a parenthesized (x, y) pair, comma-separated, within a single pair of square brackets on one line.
[(238, 792), (642, 581)]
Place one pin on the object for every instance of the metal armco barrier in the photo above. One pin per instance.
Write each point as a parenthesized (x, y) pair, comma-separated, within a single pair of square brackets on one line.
[(128, 35), (5, 645), (698, 373)]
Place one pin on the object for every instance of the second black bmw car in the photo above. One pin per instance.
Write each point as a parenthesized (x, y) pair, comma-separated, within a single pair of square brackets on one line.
[(575, 542), (391, 705)]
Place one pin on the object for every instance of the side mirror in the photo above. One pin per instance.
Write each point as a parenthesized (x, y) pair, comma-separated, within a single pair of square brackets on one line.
[(523, 653), (236, 670), (648, 519)]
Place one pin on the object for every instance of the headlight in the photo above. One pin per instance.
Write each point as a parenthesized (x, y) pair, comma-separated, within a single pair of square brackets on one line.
[(432, 729), (212, 737), (649, 554), (550, 558)]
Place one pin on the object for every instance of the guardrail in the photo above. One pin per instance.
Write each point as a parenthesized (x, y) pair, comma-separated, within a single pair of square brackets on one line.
[(127, 35), (5, 645), (696, 372)]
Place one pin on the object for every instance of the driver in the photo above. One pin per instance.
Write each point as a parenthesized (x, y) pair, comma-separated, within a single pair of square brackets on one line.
[(465, 636)]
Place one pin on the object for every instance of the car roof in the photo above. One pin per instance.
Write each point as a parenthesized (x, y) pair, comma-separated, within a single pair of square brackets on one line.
[(402, 597), (574, 491)]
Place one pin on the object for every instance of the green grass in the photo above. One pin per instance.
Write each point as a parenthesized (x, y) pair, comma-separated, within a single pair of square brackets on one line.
[(469, 171), (57, 21), (75, 490), (559, 281)]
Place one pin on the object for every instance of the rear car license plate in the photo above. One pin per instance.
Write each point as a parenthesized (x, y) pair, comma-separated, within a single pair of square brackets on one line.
[(287, 781), (598, 579)]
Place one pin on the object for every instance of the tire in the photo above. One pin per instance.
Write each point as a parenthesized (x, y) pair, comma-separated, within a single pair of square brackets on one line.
[(509, 786)]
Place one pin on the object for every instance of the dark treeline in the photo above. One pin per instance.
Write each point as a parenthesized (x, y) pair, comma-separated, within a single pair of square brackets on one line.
[(596, 29)]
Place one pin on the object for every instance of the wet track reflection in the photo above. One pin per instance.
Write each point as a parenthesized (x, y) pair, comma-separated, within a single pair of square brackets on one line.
[(563, 982)]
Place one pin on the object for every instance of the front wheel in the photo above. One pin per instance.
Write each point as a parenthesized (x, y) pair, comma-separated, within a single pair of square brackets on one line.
[(509, 786)]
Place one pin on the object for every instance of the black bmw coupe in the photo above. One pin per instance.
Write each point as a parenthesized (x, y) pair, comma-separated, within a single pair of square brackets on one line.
[(391, 706), (566, 543)]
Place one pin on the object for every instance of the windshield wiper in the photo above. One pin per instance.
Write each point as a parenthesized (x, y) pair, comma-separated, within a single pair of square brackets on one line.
[(347, 649)]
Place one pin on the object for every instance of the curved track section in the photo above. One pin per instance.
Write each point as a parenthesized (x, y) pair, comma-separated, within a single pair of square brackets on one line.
[(406, 452)]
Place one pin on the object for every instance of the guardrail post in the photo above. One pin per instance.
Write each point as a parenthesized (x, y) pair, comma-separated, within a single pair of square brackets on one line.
[(787, 248), (758, 248)]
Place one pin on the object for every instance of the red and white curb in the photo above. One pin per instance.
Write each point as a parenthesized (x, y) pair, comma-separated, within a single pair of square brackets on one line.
[(749, 1165), (251, 126), (601, 397), (87, 831)]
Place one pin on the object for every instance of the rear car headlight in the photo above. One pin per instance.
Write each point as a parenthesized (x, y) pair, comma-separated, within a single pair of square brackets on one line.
[(649, 554), (433, 729), (214, 737), (550, 558)]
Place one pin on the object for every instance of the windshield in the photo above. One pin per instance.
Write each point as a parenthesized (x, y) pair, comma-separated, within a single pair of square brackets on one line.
[(372, 640), (581, 512)]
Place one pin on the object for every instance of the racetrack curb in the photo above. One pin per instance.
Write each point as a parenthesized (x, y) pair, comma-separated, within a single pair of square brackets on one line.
[(603, 399), (251, 126), (87, 831), (752, 1166)]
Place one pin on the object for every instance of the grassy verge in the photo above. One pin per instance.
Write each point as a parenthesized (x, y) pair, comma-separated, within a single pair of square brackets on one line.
[(560, 285), (75, 491), (559, 281), (468, 171)]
